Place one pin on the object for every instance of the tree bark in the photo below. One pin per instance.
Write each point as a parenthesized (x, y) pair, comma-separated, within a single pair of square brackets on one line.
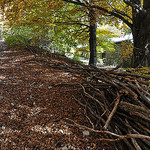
[(92, 40), (141, 35)]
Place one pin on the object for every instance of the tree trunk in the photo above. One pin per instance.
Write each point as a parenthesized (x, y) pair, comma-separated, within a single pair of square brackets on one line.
[(92, 40), (141, 36), (92, 43)]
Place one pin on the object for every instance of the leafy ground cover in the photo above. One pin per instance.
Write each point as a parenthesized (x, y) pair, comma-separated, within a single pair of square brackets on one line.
[(33, 104), (141, 71)]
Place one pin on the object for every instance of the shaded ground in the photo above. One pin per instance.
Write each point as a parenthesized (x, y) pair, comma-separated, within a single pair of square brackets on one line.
[(32, 105)]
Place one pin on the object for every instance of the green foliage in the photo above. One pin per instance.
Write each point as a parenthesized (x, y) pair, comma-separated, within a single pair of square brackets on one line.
[(103, 44), (103, 40), (14, 40), (17, 36), (58, 25), (55, 24)]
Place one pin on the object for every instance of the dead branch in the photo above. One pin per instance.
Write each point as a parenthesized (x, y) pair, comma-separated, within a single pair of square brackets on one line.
[(113, 112)]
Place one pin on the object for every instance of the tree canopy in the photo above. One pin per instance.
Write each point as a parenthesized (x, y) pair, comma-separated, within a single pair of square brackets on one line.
[(77, 17)]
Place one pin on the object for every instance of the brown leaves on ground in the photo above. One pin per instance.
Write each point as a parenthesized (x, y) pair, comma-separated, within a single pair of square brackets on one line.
[(32, 105)]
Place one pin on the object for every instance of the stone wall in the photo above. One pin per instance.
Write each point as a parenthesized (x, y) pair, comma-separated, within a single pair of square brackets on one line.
[(1, 26)]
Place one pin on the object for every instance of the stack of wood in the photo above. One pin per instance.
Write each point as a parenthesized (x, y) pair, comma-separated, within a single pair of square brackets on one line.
[(115, 103)]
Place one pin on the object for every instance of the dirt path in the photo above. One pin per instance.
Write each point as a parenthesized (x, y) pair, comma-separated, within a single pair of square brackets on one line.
[(32, 106)]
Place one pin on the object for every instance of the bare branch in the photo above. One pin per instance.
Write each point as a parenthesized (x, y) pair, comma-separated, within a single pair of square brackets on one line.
[(113, 112), (119, 137)]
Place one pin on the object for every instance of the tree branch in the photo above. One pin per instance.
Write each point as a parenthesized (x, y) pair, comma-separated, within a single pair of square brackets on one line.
[(121, 13), (135, 6), (112, 13), (75, 2), (119, 137), (113, 112), (115, 14), (71, 23)]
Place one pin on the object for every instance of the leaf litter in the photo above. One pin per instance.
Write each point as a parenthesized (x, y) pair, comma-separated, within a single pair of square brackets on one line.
[(32, 106)]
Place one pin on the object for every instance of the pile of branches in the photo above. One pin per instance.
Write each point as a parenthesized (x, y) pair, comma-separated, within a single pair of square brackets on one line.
[(115, 103)]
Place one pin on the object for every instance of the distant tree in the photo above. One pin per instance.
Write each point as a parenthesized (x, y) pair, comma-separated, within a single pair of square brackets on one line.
[(103, 43)]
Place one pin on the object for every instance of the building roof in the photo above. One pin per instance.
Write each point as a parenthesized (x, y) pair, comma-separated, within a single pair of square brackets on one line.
[(127, 37)]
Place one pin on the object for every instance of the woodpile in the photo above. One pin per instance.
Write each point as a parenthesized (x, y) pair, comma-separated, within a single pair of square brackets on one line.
[(115, 103), (118, 103)]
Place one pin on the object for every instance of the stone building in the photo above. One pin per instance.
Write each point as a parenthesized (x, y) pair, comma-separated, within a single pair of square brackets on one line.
[(1, 26), (114, 57)]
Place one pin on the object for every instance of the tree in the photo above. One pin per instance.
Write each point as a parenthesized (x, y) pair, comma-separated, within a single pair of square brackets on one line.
[(103, 44), (131, 12), (92, 34), (141, 32), (138, 20), (33, 14), (43, 18)]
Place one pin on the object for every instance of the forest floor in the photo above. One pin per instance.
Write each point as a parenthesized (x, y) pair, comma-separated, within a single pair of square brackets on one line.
[(33, 104)]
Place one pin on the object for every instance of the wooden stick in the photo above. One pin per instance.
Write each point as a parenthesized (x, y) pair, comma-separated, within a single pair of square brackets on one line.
[(119, 137), (113, 112)]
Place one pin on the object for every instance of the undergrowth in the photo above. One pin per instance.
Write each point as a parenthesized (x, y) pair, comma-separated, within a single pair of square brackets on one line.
[(140, 71)]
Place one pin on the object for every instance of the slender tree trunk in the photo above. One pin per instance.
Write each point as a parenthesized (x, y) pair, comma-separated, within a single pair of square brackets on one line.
[(92, 40), (141, 36), (92, 43)]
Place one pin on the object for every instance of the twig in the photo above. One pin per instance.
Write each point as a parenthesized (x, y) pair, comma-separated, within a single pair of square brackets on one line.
[(88, 95), (119, 137), (113, 112), (89, 120)]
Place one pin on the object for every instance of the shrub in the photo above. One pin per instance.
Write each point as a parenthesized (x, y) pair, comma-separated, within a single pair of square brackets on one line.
[(15, 40)]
